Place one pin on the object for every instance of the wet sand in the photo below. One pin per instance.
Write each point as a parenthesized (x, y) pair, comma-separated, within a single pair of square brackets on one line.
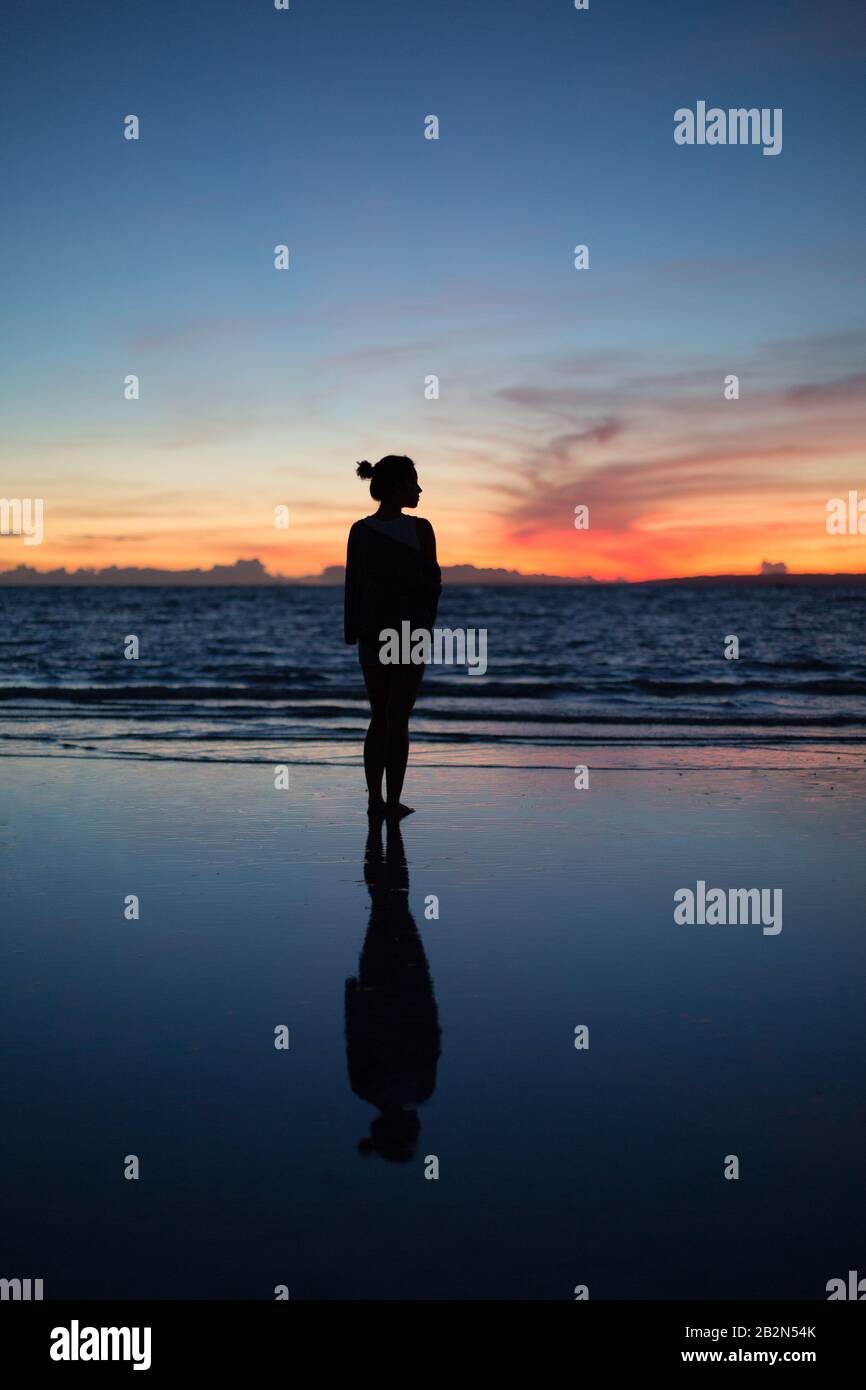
[(558, 1166)]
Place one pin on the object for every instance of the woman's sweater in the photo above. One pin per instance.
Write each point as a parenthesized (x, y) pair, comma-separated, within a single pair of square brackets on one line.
[(388, 583)]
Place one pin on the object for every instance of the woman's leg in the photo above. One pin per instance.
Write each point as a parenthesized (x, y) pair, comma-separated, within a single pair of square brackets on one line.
[(377, 681), (403, 688)]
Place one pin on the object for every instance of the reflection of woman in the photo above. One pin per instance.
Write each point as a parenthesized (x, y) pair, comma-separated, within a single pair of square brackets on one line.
[(392, 1024), (392, 576)]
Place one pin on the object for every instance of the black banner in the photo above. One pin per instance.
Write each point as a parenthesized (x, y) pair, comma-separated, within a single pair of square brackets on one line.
[(167, 1339)]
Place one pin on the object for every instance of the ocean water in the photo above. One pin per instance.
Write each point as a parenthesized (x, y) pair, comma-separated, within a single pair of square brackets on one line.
[(247, 674)]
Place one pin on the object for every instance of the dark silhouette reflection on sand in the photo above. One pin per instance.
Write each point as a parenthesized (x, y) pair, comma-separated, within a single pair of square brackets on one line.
[(392, 1024)]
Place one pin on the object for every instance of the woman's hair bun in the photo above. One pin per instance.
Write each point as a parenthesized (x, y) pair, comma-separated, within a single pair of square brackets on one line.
[(388, 475)]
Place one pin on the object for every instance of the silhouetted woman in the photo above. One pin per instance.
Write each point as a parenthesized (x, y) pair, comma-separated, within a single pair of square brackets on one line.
[(392, 577)]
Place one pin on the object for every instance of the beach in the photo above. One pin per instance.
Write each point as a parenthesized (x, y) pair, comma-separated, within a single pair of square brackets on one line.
[(517, 910)]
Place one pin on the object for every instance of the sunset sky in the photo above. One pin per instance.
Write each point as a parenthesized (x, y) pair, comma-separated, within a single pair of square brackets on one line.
[(411, 257)]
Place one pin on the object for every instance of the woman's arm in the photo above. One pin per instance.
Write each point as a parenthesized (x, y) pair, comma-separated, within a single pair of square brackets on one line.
[(351, 590), (427, 542)]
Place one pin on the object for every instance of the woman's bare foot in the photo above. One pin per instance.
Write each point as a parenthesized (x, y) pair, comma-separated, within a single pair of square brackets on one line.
[(376, 808), (399, 811)]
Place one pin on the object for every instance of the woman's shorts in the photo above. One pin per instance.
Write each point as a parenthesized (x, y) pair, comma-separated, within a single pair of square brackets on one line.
[(369, 649), (368, 652)]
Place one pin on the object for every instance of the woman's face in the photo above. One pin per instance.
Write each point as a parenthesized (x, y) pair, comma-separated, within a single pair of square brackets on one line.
[(407, 494)]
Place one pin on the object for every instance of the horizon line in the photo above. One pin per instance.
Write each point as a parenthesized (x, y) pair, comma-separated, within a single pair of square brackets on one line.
[(331, 576)]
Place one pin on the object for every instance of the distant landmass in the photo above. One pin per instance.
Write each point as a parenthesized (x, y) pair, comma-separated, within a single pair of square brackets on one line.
[(458, 574), (253, 572)]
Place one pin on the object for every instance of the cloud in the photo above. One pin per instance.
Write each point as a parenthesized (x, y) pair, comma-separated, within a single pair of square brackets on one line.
[(690, 445), (563, 445), (455, 299), (137, 536), (388, 355), (832, 33), (849, 388), (625, 493), (208, 328)]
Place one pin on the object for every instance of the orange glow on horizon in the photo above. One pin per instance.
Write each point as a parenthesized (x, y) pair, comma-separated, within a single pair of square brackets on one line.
[(658, 518), (638, 554)]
